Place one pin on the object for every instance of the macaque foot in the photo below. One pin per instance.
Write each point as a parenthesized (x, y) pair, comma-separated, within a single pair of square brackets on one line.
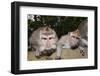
[(82, 52)]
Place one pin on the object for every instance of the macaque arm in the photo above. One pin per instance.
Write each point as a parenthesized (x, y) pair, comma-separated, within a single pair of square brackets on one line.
[(81, 48), (60, 46), (82, 45), (84, 42), (59, 50), (37, 53)]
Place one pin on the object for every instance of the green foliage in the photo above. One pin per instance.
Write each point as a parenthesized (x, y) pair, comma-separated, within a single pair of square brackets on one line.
[(61, 24)]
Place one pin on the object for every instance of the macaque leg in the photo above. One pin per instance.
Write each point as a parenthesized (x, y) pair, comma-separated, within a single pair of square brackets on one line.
[(59, 51), (85, 42)]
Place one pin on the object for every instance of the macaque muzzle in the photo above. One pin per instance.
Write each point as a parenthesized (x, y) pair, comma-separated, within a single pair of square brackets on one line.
[(74, 46)]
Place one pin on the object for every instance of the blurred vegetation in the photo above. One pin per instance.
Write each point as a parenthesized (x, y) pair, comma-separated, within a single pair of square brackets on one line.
[(61, 24)]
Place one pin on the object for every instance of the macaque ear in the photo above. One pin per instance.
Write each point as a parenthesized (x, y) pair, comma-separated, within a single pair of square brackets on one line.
[(76, 30)]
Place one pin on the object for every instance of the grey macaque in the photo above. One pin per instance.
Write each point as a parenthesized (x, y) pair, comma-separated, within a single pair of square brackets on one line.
[(43, 41), (71, 40), (74, 39)]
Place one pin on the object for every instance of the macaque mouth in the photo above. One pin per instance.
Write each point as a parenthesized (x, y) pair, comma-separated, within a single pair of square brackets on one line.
[(47, 52)]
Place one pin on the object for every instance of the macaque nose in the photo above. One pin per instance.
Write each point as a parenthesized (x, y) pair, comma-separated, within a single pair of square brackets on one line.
[(48, 44)]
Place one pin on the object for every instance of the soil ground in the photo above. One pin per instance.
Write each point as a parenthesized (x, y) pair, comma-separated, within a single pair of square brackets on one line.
[(66, 54)]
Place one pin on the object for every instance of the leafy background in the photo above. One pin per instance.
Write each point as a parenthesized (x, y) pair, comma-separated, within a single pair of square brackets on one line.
[(61, 24)]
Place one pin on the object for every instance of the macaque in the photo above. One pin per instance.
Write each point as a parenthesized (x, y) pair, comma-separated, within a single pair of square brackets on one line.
[(43, 41), (71, 40), (74, 39)]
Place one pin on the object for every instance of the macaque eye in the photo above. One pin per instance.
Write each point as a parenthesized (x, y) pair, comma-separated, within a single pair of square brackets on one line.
[(50, 38), (75, 37), (44, 38)]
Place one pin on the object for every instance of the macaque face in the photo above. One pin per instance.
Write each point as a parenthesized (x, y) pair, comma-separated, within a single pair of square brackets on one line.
[(74, 38), (48, 42), (48, 39)]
